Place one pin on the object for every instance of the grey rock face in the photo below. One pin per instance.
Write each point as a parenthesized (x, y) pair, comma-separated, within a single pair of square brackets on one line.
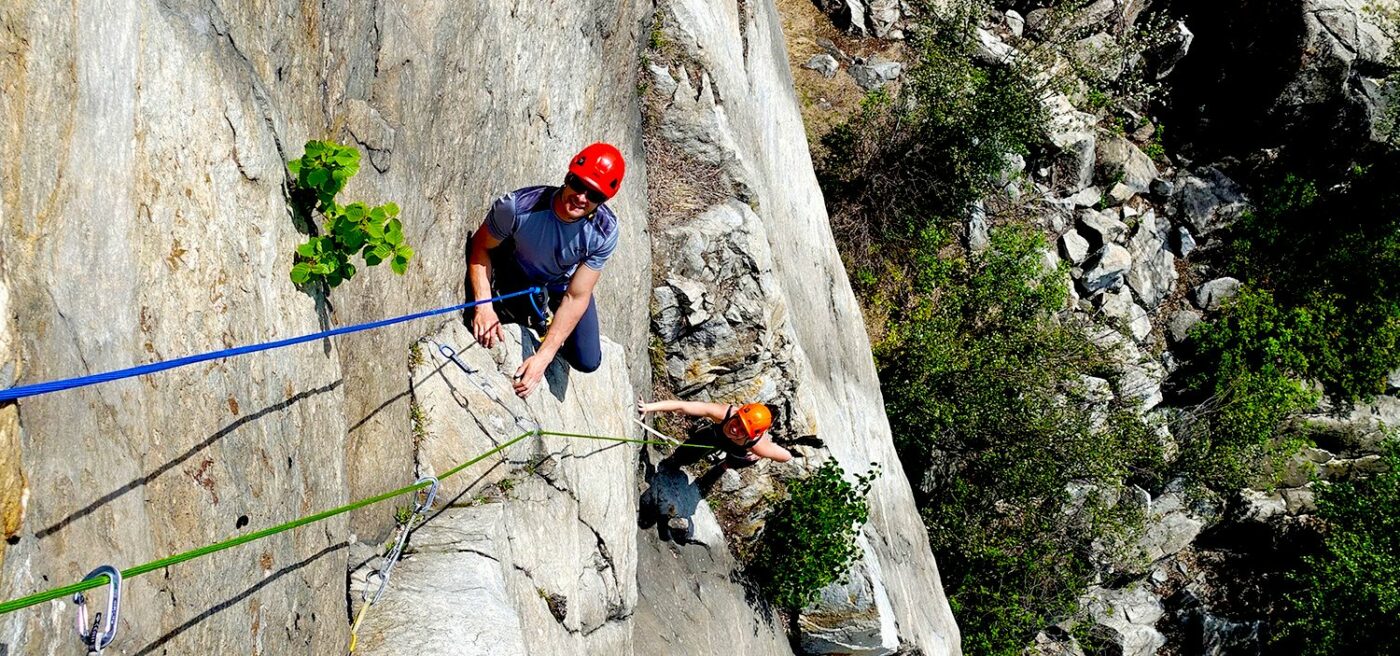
[(875, 73), (567, 532), (853, 616), (763, 119), (450, 594), (1180, 324), (1118, 159), (1209, 201), (1211, 295), (1153, 276), (661, 77), (1074, 247), (824, 64), (1126, 618), (722, 317), (1107, 268), (189, 111)]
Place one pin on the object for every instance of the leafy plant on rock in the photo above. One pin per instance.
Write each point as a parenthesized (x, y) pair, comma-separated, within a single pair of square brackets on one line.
[(810, 540), (373, 232)]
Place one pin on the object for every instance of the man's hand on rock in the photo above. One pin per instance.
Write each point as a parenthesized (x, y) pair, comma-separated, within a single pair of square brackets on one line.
[(531, 371), (486, 326)]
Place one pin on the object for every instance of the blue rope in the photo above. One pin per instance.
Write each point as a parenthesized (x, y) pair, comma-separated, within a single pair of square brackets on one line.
[(83, 381)]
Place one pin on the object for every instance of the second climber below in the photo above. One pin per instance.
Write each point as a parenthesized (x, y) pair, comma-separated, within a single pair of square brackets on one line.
[(539, 236)]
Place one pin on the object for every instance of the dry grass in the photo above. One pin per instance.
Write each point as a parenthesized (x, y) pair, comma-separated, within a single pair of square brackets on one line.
[(825, 103)]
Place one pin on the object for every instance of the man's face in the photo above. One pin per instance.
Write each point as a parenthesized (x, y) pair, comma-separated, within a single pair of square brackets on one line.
[(575, 198)]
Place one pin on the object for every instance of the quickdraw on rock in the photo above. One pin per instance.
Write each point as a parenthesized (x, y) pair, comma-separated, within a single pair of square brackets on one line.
[(99, 633), (486, 388), (416, 517)]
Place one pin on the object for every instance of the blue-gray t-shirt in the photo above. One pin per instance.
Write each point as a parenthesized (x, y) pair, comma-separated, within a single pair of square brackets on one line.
[(547, 248)]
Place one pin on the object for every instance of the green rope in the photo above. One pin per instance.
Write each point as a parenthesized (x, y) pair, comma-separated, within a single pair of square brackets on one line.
[(57, 593), (624, 439)]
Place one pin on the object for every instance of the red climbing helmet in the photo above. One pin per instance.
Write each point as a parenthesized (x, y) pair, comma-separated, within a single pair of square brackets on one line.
[(601, 167)]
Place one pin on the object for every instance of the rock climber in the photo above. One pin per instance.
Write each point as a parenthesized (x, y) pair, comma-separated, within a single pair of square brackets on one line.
[(741, 432), (539, 236)]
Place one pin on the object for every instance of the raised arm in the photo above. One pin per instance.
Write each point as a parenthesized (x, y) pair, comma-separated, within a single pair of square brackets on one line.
[(712, 411)]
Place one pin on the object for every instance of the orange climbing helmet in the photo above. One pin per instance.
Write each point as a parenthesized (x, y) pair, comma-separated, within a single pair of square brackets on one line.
[(755, 418), (600, 166)]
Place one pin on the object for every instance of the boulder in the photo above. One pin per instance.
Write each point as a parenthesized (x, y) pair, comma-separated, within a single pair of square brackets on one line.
[(1071, 132), (1180, 325), (1118, 160), (823, 63), (1101, 227), (1209, 200), (1074, 247), (1153, 276), (1125, 619), (1015, 22), (1118, 305), (977, 237), (1106, 268), (1184, 242), (1174, 49), (875, 73), (1215, 293), (1141, 385)]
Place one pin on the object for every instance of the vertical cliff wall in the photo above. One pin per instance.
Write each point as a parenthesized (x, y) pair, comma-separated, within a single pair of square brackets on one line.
[(143, 216)]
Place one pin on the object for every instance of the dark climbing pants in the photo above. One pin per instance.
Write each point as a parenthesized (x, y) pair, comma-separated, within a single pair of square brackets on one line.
[(582, 349)]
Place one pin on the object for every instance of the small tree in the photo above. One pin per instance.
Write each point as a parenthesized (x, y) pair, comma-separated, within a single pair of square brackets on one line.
[(810, 540), (374, 232)]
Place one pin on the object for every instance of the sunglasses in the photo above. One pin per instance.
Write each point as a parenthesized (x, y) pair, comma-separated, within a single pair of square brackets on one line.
[(577, 184)]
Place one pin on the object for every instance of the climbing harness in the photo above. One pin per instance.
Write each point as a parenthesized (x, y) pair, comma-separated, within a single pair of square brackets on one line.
[(416, 517), (99, 634), (106, 376)]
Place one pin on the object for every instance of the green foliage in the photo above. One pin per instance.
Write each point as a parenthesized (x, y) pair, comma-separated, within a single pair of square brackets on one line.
[(975, 382), (902, 166), (1251, 361), (373, 232), (1333, 253), (1348, 598), (808, 542)]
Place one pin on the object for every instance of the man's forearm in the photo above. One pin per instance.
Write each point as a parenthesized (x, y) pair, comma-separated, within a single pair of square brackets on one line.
[(566, 318), (479, 271)]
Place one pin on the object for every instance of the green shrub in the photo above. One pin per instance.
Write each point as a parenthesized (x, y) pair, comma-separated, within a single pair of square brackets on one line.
[(318, 176), (808, 542), (1348, 598), (1332, 251), (977, 380), (1250, 363)]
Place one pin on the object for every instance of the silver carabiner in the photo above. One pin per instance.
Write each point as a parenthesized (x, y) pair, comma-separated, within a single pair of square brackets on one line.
[(421, 509), (95, 639)]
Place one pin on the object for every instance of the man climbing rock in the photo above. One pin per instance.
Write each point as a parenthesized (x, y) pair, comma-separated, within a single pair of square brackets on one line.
[(539, 236)]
